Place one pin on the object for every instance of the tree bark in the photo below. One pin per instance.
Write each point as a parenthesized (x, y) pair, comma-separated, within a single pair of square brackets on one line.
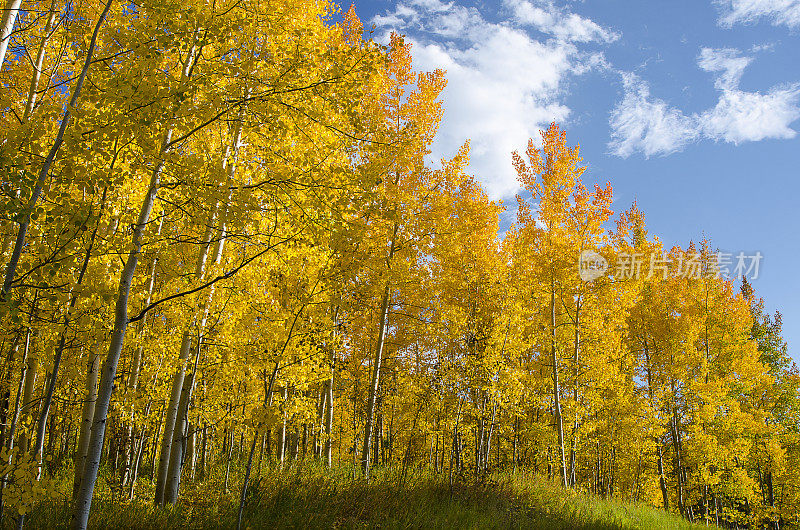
[(171, 417), (39, 63), (575, 373), (86, 419), (28, 404), (178, 446), (133, 378), (282, 431), (662, 480), (11, 268), (556, 390), (678, 463), (246, 481), (164, 463), (329, 399), (10, 11), (83, 502), (373, 388)]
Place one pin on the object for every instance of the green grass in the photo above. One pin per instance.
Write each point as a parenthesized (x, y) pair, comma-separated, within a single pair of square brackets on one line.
[(306, 496)]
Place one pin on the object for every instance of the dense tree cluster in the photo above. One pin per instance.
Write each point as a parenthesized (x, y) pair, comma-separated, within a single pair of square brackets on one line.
[(223, 237)]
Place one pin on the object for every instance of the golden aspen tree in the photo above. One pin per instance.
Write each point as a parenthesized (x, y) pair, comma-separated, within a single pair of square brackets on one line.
[(564, 211)]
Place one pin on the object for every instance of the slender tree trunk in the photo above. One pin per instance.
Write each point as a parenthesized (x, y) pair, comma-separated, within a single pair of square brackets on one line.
[(6, 391), (489, 436), (267, 403), (86, 418), (137, 462), (454, 447), (8, 18), (9, 442), (171, 416), (376, 445), (575, 374), (180, 431), (83, 501), (164, 463), (662, 480), (261, 452), (479, 437), (191, 454), (154, 443), (556, 390), (18, 405), (319, 425), (136, 367), (39, 63), (515, 449), (10, 11), (178, 446), (28, 404), (246, 481), (228, 457), (282, 431), (373, 388), (329, 398), (678, 463)]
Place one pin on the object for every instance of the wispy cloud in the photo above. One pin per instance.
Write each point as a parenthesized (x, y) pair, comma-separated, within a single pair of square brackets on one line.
[(546, 17), (741, 116), (726, 63), (641, 123), (504, 84), (778, 12)]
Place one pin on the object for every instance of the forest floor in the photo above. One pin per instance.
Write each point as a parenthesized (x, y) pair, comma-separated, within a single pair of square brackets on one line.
[(306, 496)]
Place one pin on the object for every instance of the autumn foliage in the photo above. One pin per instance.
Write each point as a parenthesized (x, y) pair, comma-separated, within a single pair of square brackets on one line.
[(223, 233)]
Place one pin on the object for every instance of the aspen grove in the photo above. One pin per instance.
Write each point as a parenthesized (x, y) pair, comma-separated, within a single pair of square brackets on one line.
[(224, 239)]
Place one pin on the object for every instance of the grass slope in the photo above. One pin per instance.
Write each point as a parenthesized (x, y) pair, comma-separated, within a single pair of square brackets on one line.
[(308, 497)]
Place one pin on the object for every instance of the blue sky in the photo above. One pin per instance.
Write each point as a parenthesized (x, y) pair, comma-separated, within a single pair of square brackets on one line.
[(689, 107)]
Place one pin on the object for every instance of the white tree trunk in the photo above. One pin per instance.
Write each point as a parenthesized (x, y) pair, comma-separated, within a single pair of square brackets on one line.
[(11, 268), (329, 396), (164, 463), (373, 388), (557, 391), (178, 445), (376, 372), (171, 416), (282, 431), (37, 66), (27, 411), (86, 418), (83, 501), (10, 11)]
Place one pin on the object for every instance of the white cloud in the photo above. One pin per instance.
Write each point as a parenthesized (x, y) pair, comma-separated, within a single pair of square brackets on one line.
[(751, 116), (724, 60), (643, 124), (745, 116), (502, 84), (547, 18), (779, 12)]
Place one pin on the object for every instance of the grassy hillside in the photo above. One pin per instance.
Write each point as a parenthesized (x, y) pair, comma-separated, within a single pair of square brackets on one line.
[(304, 497)]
